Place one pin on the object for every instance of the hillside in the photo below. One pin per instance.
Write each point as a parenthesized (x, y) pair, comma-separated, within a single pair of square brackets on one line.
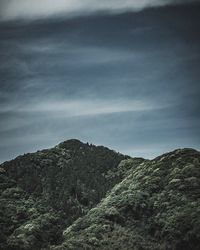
[(44, 192), (80, 196), (157, 206)]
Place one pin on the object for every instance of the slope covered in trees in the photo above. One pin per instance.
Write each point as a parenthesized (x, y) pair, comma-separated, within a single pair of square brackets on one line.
[(44, 192), (78, 196), (157, 206)]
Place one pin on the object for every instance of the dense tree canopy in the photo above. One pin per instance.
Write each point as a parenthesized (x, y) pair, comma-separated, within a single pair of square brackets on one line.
[(79, 196), (44, 192)]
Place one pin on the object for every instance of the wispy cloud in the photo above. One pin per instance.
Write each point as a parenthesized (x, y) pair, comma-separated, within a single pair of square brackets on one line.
[(12, 9), (72, 108)]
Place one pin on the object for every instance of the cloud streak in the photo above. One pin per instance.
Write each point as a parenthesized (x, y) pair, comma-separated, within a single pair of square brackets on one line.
[(73, 108), (30, 9)]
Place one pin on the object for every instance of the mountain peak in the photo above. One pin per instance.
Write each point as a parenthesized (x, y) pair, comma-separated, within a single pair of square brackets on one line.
[(70, 143), (179, 153)]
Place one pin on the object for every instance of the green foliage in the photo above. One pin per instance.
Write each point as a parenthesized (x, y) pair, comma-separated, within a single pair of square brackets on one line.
[(157, 206), (44, 192), (81, 197)]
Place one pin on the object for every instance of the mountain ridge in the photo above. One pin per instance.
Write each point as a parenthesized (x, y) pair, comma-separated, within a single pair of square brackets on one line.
[(66, 180), (81, 196), (168, 209)]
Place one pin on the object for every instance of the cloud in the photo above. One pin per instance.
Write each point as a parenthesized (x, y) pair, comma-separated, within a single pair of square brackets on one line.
[(73, 108), (31, 9)]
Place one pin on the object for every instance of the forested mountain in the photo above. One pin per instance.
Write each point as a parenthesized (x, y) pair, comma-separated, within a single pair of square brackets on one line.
[(44, 192), (157, 206), (80, 196)]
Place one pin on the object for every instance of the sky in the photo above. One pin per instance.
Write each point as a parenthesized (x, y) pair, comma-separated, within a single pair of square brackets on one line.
[(123, 74)]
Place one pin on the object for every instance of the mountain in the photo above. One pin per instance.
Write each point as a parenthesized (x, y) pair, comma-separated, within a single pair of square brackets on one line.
[(44, 192), (79, 196), (157, 206)]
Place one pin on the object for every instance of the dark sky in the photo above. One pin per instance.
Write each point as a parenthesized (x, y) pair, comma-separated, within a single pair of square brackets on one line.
[(129, 80)]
